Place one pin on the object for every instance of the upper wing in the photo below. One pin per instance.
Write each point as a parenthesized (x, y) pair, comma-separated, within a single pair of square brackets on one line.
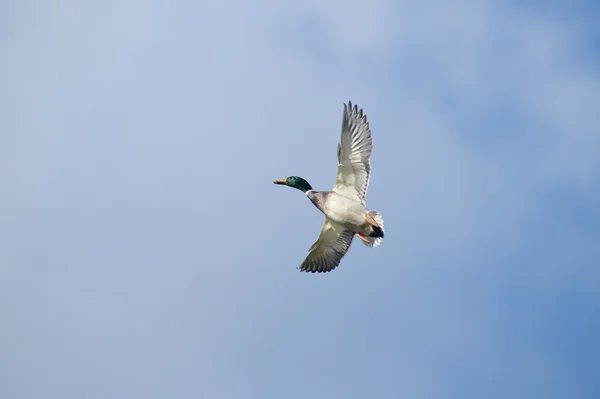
[(329, 249), (354, 155)]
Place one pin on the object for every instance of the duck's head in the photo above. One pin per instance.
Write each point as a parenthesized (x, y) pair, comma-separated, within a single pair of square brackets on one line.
[(295, 182)]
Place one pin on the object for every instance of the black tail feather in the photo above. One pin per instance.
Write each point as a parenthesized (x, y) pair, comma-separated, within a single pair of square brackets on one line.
[(377, 232)]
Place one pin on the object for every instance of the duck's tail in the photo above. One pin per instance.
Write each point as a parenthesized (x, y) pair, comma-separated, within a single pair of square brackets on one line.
[(376, 237)]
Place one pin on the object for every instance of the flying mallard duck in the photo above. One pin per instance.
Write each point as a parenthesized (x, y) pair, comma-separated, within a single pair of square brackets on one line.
[(345, 209)]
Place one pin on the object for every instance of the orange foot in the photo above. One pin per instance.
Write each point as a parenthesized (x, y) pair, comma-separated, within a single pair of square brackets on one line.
[(362, 237), (371, 221)]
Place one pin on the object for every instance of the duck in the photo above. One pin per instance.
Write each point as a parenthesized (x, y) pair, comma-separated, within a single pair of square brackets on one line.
[(345, 206)]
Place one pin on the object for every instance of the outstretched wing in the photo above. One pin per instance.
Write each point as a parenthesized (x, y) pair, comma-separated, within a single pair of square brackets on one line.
[(329, 249), (354, 155)]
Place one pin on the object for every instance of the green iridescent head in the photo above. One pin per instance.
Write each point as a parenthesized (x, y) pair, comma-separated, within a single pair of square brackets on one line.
[(295, 182)]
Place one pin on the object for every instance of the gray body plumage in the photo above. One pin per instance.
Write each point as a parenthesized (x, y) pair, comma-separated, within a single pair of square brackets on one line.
[(343, 210)]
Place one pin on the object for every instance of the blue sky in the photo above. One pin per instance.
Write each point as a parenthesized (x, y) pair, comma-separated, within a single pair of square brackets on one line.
[(145, 252)]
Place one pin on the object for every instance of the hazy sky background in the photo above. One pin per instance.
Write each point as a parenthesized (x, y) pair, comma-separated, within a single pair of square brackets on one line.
[(145, 252)]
